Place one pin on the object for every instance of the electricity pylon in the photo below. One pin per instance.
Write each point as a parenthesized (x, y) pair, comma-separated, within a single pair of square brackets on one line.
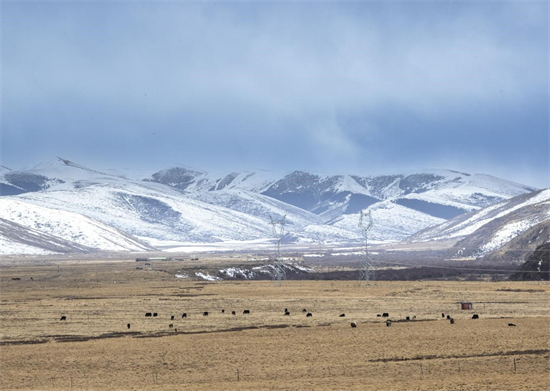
[(367, 272), (278, 232)]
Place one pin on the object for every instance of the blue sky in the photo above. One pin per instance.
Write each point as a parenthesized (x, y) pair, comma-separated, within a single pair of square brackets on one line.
[(357, 87)]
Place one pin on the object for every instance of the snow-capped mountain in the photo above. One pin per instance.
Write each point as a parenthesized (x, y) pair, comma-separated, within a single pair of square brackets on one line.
[(489, 229), (181, 204), (150, 210), (55, 230), (439, 193)]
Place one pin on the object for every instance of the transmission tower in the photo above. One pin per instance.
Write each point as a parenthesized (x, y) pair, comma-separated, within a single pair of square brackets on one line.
[(367, 272), (278, 232)]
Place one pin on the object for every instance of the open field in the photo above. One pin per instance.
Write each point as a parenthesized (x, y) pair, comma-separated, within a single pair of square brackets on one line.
[(93, 349)]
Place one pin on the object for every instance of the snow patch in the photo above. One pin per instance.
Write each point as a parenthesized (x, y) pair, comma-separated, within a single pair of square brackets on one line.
[(235, 272), (207, 277), (505, 234)]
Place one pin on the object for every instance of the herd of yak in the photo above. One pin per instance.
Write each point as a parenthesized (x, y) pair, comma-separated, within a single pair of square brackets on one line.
[(287, 313)]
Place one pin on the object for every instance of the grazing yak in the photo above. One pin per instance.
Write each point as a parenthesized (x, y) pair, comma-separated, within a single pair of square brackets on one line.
[(309, 314), (63, 318), (233, 313), (378, 315), (385, 315), (170, 326), (287, 313), (172, 317), (155, 314), (128, 325), (205, 313), (353, 324), (448, 317), (475, 316), (511, 324), (148, 314), (304, 310), (246, 312), (452, 321), (342, 315), (223, 311), (408, 318), (388, 323), (184, 315), (442, 315)]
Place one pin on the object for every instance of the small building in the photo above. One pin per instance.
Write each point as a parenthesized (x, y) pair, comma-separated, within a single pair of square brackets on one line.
[(466, 305)]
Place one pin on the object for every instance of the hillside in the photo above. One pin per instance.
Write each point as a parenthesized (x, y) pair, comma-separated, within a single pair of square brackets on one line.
[(520, 247), (27, 228), (184, 205), (488, 230), (537, 265), (438, 193), (18, 239)]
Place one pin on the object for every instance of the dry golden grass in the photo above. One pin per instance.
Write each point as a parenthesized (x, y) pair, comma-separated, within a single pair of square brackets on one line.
[(263, 350)]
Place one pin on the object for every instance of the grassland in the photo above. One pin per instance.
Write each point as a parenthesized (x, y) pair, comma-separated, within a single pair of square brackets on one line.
[(94, 350)]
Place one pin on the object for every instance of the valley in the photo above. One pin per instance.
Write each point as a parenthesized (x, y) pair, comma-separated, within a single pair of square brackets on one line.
[(94, 348)]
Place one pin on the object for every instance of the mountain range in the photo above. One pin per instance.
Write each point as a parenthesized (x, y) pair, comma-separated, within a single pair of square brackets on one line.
[(120, 210)]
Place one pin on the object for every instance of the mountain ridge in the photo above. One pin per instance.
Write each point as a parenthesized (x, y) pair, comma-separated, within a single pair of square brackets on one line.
[(189, 205)]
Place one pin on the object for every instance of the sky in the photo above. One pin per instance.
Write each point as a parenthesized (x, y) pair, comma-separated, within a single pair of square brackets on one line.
[(348, 87)]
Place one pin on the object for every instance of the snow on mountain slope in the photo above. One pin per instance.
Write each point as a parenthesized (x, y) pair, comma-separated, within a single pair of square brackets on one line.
[(447, 194), (486, 231), (506, 233), (439, 193), (460, 196), (18, 239), (502, 230), (149, 213), (419, 182), (80, 231), (469, 223), (193, 180), (258, 205), (183, 204), (519, 248), (156, 215), (391, 222), (326, 234), (61, 174), (13, 247)]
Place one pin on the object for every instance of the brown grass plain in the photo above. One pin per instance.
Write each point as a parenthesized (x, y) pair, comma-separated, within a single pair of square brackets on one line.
[(94, 350)]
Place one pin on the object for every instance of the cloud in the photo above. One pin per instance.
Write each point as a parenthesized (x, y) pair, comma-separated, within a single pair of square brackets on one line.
[(224, 77)]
